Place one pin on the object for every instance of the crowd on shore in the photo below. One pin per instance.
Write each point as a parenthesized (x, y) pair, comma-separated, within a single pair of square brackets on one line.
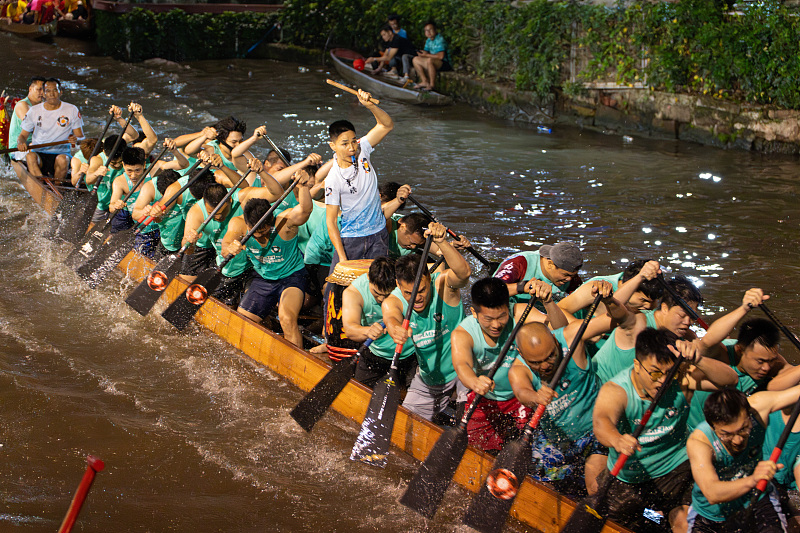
[(41, 11), (701, 453)]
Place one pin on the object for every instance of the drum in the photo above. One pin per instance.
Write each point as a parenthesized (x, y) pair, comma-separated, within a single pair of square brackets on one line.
[(339, 346)]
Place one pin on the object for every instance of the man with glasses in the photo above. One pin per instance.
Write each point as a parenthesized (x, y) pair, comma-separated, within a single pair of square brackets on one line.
[(476, 344), (725, 452), (657, 473), (565, 449)]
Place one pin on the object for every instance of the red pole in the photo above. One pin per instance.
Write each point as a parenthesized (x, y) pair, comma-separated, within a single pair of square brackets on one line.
[(95, 465)]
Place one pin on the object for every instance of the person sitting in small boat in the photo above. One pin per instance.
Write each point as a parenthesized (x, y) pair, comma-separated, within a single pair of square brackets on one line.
[(51, 121), (279, 276), (398, 53), (14, 10), (35, 97), (435, 57)]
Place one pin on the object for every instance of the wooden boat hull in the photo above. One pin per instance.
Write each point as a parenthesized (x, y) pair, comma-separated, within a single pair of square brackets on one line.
[(536, 504), (41, 32), (382, 87)]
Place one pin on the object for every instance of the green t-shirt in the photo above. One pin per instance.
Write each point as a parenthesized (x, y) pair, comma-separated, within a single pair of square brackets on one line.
[(225, 161), (663, 440), (485, 356), (431, 331), (610, 359), (319, 248)]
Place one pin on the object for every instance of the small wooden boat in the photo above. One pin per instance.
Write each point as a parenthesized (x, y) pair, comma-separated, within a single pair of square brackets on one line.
[(537, 505), (382, 86), (39, 32)]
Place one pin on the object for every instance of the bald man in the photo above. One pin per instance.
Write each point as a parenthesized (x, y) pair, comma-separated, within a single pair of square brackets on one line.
[(566, 440)]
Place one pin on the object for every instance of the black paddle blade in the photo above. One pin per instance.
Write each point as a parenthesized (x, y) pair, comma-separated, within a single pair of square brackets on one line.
[(107, 258), (316, 403), (63, 212), (426, 490), (585, 519), (146, 294), (372, 444), (74, 228), (493, 266), (88, 247), (181, 311), (488, 510)]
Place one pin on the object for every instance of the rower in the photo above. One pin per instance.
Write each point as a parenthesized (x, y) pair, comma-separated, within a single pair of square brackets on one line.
[(219, 139), (657, 473), (727, 460), (79, 164), (477, 342), (437, 311), (34, 97), (103, 170), (51, 121), (556, 264), (279, 273)]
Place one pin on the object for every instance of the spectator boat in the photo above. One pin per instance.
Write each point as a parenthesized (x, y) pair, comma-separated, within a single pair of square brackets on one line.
[(382, 86), (537, 505), (40, 32)]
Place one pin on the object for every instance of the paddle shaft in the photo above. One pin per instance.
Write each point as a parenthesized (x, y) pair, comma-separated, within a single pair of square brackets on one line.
[(349, 90), (452, 233), (680, 301), (498, 363), (95, 465), (277, 150), (260, 222), (31, 147), (114, 149), (219, 206), (786, 331)]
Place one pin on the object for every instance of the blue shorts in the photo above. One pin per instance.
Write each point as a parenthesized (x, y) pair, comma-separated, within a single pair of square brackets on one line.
[(263, 294), (556, 461), (147, 244)]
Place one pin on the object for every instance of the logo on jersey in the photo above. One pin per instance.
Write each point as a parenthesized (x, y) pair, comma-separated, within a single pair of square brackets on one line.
[(438, 317), (671, 412), (275, 249), (63, 121), (365, 164), (565, 384)]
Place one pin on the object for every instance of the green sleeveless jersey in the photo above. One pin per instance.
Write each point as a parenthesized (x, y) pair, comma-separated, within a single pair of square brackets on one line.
[(15, 128), (105, 182), (319, 248), (172, 224), (663, 440), (215, 229), (225, 161), (371, 313), (729, 467), (746, 384), (569, 417), (277, 259), (610, 359), (484, 356), (431, 331), (790, 456), (305, 231)]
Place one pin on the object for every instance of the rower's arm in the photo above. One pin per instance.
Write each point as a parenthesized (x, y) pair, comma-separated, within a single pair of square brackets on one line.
[(21, 109), (391, 207), (384, 123), (392, 310), (284, 176), (323, 171), (705, 374), (457, 275), (198, 143), (150, 137), (701, 458), (182, 140), (237, 229), (767, 402), (521, 379), (225, 176), (298, 215), (193, 220), (608, 410), (788, 376), (118, 190), (141, 207), (95, 170), (722, 327), (352, 310), (461, 345)]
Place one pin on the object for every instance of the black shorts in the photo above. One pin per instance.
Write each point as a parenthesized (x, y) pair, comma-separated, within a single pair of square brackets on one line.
[(201, 259), (764, 517), (626, 502), (48, 163), (371, 369)]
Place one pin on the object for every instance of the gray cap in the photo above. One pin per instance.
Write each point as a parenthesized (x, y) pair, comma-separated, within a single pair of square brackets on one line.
[(565, 255)]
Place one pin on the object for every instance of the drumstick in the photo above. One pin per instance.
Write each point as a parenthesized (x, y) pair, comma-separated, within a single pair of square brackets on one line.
[(352, 91)]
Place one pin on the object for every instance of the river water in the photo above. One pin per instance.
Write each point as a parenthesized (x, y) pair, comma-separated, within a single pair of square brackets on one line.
[(198, 438)]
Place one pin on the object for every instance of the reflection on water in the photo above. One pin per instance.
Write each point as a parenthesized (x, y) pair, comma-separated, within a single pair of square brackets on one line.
[(197, 438)]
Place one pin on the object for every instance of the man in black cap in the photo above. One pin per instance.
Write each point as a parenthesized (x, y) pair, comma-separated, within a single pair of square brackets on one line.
[(556, 264)]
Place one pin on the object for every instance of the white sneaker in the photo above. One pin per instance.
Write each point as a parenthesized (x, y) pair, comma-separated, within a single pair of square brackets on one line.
[(392, 75)]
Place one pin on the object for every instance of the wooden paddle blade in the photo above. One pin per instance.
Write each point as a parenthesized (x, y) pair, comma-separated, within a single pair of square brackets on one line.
[(585, 519), (106, 259), (75, 227), (426, 490), (316, 403), (146, 294), (488, 510), (372, 444), (88, 247), (181, 311)]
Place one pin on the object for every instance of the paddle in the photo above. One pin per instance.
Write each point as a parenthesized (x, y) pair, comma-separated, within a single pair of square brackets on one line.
[(314, 404), (372, 443), (276, 150), (181, 311), (77, 224), (680, 301), (108, 257), (146, 294), (31, 147), (349, 90), (587, 517), (92, 242), (491, 265), (95, 465), (426, 490), (488, 510), (73, 198)]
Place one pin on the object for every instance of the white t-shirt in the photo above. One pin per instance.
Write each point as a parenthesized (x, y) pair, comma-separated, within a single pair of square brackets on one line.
[(52, 126), (355, 189)]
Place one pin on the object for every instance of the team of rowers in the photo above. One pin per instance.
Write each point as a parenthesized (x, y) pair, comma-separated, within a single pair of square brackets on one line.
[(701, 453)]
